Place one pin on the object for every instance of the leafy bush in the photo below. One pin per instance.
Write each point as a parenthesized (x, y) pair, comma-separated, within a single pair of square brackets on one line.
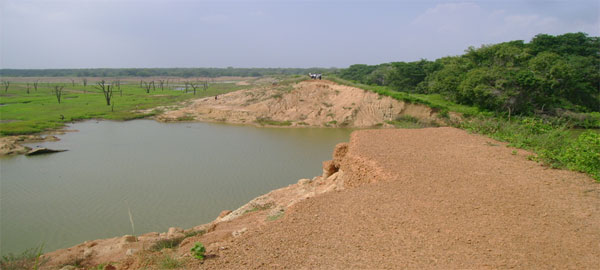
[(198, 251), (583, 154)]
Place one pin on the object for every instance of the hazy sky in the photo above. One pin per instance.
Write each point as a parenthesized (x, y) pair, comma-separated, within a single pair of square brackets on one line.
[(284, 33)]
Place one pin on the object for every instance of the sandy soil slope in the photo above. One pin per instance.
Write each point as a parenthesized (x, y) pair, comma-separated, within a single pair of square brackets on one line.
[(308, 103), (447, 200)]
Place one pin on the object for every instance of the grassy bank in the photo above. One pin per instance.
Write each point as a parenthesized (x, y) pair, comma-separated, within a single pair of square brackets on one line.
[(39, 110), (554, 140), (435, 101)]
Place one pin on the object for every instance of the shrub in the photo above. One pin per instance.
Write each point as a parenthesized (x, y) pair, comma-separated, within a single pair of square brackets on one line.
[(198, 251), (583, 154)]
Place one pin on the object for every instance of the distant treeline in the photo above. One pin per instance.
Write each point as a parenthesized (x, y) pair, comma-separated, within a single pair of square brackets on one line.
[(548, 74), (150, 72)]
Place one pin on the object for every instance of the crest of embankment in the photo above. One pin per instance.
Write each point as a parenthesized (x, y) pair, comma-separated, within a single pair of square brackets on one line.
[(308, 103)]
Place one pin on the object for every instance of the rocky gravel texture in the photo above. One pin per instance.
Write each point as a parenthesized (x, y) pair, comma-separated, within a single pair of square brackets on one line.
[(447, 200)]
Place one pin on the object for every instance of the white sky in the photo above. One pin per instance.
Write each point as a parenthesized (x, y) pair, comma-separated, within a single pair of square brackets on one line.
[(284, 33)]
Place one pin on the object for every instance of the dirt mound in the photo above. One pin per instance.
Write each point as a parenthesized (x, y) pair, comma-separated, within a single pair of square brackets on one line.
[(308, 103), (12, 145)]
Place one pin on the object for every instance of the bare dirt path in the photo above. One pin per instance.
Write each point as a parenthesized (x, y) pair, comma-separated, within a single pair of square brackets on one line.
[(447, 200)]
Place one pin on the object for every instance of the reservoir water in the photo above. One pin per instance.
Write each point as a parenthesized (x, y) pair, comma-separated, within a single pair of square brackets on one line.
[(167, 175)]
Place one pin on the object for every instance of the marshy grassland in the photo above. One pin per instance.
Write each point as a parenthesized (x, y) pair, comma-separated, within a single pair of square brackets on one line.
[(26, 109)]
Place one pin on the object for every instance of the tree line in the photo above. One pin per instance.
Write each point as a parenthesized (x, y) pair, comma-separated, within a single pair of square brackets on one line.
[(153, 72), (547, 75)]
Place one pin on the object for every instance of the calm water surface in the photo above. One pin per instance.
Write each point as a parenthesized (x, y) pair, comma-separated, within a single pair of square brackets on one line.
[(180, 174)]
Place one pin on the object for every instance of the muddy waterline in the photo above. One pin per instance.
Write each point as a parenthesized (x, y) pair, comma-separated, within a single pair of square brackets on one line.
[(176, 174)]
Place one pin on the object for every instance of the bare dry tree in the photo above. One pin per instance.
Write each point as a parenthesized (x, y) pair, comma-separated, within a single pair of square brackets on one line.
[(186, 83), (106, 89), (58, 91), (117, 84), (73, 82), (84, 82), (153, 86), (28, 86), (161, 84), (148, 86), (205, 85), (35, 85), (194, 86), (6, 84)]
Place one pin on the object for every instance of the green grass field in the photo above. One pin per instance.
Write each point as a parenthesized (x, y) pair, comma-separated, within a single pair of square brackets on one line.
[(23, 113)]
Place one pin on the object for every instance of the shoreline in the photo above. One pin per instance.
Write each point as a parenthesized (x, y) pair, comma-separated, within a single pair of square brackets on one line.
[(229, 224), (475, 211)]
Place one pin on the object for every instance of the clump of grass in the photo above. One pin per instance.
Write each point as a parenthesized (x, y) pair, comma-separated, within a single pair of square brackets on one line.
[(166, 243), (266, 121), (408, 121), (194, 233), (174, 242), (77, 263), (276, 216), (28, 259), (185, 118), (168, 262)]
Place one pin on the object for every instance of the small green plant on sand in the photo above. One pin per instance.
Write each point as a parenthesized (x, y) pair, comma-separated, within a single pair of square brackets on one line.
[(198, 251)]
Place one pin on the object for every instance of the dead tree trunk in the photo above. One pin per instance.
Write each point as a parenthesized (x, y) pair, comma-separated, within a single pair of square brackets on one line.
[(118, 83), (106, 89), (6, 84), (147, 86), (205, 86), (58, 92), (194, 86), (28, 88), (35, 85)]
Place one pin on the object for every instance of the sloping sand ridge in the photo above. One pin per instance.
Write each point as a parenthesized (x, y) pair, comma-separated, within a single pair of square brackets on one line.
[(308, 103)]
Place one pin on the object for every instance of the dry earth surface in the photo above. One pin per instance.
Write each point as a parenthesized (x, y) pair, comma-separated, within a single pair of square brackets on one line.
[(308, 103), (434, 198), (13, 145)]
